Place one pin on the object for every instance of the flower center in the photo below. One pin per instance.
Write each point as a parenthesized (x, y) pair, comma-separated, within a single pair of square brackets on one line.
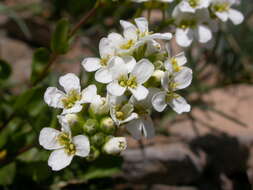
[(120, 115), (194, 3), (65, 140), (172, 84), (122, 145), (72, 97), (128, 44), (143, 34), (170, 96), (221, 7), (176, 67), (104, 61), (131, 82), (184, 24)]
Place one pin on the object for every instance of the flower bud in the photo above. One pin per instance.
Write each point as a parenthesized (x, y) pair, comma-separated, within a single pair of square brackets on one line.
[(94, 153), (107, 125), (115, 145), (98, 139), (158, 74), (90, 126)]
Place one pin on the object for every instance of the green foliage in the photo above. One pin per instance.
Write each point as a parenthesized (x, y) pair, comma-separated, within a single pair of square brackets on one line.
[(60, 38), (5, 70), (40, 60), (7, 174)]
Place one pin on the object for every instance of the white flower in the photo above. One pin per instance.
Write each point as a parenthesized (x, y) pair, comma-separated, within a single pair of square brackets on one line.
[(143, 125), (101, 107), (222, 9), (133, 81), (172, 82), (192, 5), (192, 26), (115, 145), (176, 62), (72, 100), (121, 110), (65, 147), (142, 31), (101, 65)]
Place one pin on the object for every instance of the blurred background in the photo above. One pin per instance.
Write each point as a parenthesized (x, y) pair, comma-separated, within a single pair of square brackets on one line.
[(211, 148)]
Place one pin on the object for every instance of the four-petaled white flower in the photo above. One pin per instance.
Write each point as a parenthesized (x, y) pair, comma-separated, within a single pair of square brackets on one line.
[(133, 81), (173, 81), (121, 110), (222, 9), (192, 5), (72, 100), (191, 26), (101, 65), (115, 145), (142, 32), (143, 125), (65, 147)]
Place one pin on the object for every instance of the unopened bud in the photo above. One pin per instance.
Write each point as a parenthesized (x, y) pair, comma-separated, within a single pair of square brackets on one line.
[(107, 125), (158, 74), (90, 126), (94, 153), (98, 139), (115, 145)]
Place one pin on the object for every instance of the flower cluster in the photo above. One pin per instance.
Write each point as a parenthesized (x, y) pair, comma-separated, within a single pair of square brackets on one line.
[(136, 74), (197, 19)]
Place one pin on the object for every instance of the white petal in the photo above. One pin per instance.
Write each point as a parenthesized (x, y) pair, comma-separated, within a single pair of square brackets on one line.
[(148, 129), (181, 59), (82, 144), (115, 39), (75, 109), (142, 126), (91, 64), (48, 138), (106, 48), (134, 128), (118, 68), (130, 33), (222, 15), (164, 36), (58, 159), (184, 38), (140, 92), (142, 24), (184, 6), (130, 62), (130, 118), (143, 71), (235, 16), (125, 24), (159, 101), (70, 82), (89, 94), (204, 34), (179, 105), (103, 75), (183, 78), (53, 97), (115, 89)]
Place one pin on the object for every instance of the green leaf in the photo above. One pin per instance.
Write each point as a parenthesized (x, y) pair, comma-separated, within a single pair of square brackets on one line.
[(5, 70), (60, 38), (40, 59), (7, 174), (23, 101)]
